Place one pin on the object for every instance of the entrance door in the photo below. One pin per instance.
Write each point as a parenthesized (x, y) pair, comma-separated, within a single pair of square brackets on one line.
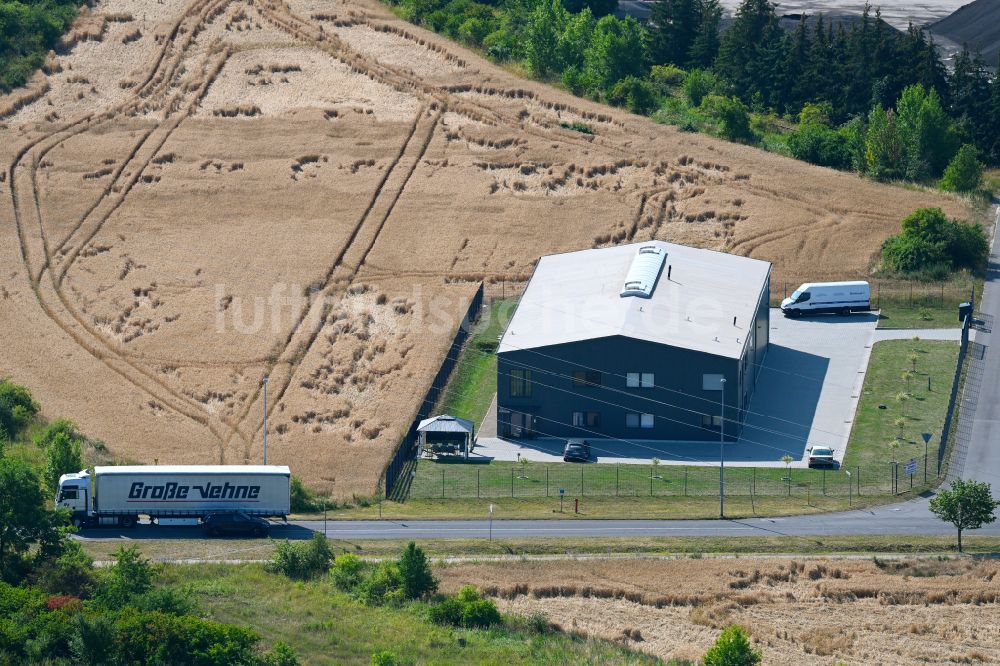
[(520, 425)]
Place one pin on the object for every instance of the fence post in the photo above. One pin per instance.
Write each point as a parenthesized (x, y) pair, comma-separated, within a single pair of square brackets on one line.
[(824, 481), (546, 480), (477, 482), (685, 481), (442, 483), (651, 481), (618, 468), (581, 481), (511, 481)]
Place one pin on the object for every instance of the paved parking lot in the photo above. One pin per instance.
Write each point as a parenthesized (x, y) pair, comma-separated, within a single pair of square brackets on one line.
[(806, 395)]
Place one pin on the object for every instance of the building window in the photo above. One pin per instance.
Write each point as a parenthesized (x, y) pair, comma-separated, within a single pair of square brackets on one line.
[(520, 383), (645, 421), (586, 378), (711, 422), (711, 382), (587, 419), (639, 380)]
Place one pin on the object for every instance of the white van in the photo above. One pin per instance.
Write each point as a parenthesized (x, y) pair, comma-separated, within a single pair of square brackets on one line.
[(820, 297)]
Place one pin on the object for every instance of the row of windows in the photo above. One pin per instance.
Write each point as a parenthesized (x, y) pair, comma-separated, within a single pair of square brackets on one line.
[(644, 421), (520, 381)]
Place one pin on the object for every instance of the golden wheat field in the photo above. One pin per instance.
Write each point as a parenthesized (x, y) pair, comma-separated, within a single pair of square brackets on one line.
[(797, 611), (200, 194)]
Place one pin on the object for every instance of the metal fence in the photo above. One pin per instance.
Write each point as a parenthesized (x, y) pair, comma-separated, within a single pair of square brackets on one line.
[(456, 481), (401, 465), (900, 293)]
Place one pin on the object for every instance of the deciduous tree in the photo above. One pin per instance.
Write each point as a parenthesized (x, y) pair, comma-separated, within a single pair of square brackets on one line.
[(966, 504)]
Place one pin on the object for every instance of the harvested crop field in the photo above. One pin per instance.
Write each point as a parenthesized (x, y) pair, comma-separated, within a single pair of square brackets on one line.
[(200, 195), (797, 611)]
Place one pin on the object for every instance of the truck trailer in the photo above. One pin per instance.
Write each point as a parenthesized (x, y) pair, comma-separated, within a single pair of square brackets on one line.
[(118, 495)]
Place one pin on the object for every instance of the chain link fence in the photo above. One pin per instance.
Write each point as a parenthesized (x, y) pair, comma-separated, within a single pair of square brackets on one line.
[(433, 480)]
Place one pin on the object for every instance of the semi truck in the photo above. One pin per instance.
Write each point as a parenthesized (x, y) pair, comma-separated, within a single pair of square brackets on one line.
[(119, 495)]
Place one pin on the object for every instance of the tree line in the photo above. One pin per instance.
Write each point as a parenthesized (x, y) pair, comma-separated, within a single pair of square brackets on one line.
[(865, 97)]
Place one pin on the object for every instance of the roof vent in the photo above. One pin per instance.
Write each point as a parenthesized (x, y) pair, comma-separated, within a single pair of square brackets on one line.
[(644, 271)]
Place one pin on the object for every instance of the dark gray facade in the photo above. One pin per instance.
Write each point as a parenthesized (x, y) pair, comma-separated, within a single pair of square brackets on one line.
[(624, 388)]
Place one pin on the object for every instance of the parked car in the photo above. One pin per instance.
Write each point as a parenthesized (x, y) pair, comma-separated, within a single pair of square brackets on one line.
[(821, 456), (218, 524), (577, 450)]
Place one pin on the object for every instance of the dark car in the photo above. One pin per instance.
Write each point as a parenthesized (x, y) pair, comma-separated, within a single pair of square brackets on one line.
[(218, 524), (577, 450)]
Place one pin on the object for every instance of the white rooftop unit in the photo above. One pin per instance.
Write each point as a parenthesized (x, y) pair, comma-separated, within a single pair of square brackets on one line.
[(644, 271)]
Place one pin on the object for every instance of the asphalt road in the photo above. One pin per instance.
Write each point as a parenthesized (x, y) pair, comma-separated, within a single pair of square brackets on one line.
[(983, 459)]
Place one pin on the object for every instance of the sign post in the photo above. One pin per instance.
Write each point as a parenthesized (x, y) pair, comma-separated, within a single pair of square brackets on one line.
[(562, 494), (850, 488), (927, 439), (911, 469)]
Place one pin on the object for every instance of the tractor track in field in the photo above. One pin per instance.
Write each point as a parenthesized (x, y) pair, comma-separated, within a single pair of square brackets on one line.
[(56, 256), (55, 304)]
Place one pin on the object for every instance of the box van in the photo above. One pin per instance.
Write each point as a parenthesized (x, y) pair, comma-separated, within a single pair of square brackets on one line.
[(820, 297)]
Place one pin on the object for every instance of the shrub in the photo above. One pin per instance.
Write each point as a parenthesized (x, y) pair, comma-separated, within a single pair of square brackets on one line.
[(964, 172), (732, 649), (466, 609), (17, 408), (281, 654), (303, 560), (698, 84), (130, 577), (820, 145), (347, 572), (415, 571), (666, 76), (69, 573), (384, 587), (635, 94), (303, 500), (732, 116), (384, 658), (928, 238)]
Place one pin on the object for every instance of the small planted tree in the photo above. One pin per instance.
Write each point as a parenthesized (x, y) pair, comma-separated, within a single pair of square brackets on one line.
[(967, 504), (415, 570), (900, 424), (913, 358), (732, 649), (655, 462)]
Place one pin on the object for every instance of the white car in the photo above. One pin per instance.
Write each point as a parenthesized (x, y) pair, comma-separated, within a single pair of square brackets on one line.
[(821, 456)]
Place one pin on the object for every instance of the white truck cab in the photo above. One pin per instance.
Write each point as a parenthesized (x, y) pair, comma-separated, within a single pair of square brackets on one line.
[(75, 494), (828, 297)]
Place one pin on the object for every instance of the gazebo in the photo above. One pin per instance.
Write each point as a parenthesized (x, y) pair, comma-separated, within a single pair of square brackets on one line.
[(446, 434)]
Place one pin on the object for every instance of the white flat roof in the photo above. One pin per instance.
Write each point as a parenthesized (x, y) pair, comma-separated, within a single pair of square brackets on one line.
[(576, 296), (192, 469)]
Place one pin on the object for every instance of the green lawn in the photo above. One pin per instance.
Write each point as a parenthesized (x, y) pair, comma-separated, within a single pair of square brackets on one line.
[(921, 410), (325, 626), (473, 381), (805, 498), (907, 304)]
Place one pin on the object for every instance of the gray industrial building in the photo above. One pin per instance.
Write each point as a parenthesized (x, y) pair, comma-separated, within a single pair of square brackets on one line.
[(633, 342)]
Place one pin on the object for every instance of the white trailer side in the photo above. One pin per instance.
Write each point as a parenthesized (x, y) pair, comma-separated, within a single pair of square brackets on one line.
[(192, 490)]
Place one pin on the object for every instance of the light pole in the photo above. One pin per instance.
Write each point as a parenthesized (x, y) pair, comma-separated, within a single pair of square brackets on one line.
[(265, 420), (722, 448)]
